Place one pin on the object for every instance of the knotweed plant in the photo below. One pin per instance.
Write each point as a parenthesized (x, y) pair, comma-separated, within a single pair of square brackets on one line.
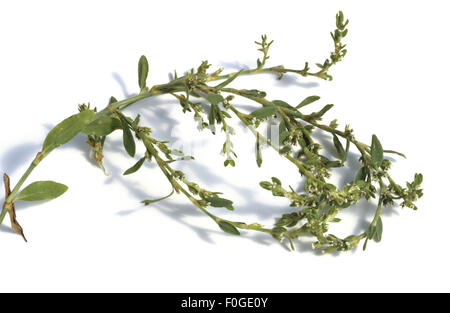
[(311, 211)]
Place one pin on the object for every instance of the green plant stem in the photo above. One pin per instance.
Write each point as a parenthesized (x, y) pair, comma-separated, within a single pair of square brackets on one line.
[(264, 102), (12, 195), (170, 174), (120, 105), (280, 69), (265, 140), (176, 85)]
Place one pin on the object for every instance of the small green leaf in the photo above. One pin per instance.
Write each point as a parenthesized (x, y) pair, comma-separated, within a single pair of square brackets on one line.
[(220, 203), (112, 100), (135, 167), (283, 132), (347, 148), (379, 230), (229, 162), (214, 98), (252, 93), (66, 130), (281, 103), (371, 232), (212, 114), (339, 148), (128, 139), (418, 179), (264, 112), (307, 101), (376, 152), (228, 228), (148, 202), (283, 137), (142, 72), (323, 111), (395, 152), (365, 244), (361, 174), (266, 185), (42, 190), (258, 151), (276, 181), (282, 127)]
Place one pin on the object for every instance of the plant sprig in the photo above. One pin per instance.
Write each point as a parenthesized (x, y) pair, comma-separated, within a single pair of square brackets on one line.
[(312, 211)]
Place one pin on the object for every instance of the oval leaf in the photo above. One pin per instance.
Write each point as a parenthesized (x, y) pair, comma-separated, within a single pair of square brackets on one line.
[(376, 152), (228, 228), (135, 167), (379, 230), (66, 130), (264, 112), (220, 203), (143, 72), (102, 126), (42, 190)]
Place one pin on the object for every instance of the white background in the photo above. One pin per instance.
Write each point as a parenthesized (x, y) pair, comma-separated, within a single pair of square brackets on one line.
[(97, 237)]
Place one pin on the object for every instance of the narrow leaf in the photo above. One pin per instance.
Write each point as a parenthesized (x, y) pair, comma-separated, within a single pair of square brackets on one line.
[(135, 167), (42, 190), (228, 228), (323, 111), (214, 99), (66, 130), (148, 202), (361, 174), (258, 151), (371, 232), (212, 114), (307, 101), (365, 244), (142, 72), (347, 148), (128, 139), (264, 112), (395, 152), (376, 152), (339, 148)]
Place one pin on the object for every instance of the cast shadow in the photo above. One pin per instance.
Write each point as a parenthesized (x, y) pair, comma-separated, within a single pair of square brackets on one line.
[(122, 85), (18, 155), (156, 112)]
